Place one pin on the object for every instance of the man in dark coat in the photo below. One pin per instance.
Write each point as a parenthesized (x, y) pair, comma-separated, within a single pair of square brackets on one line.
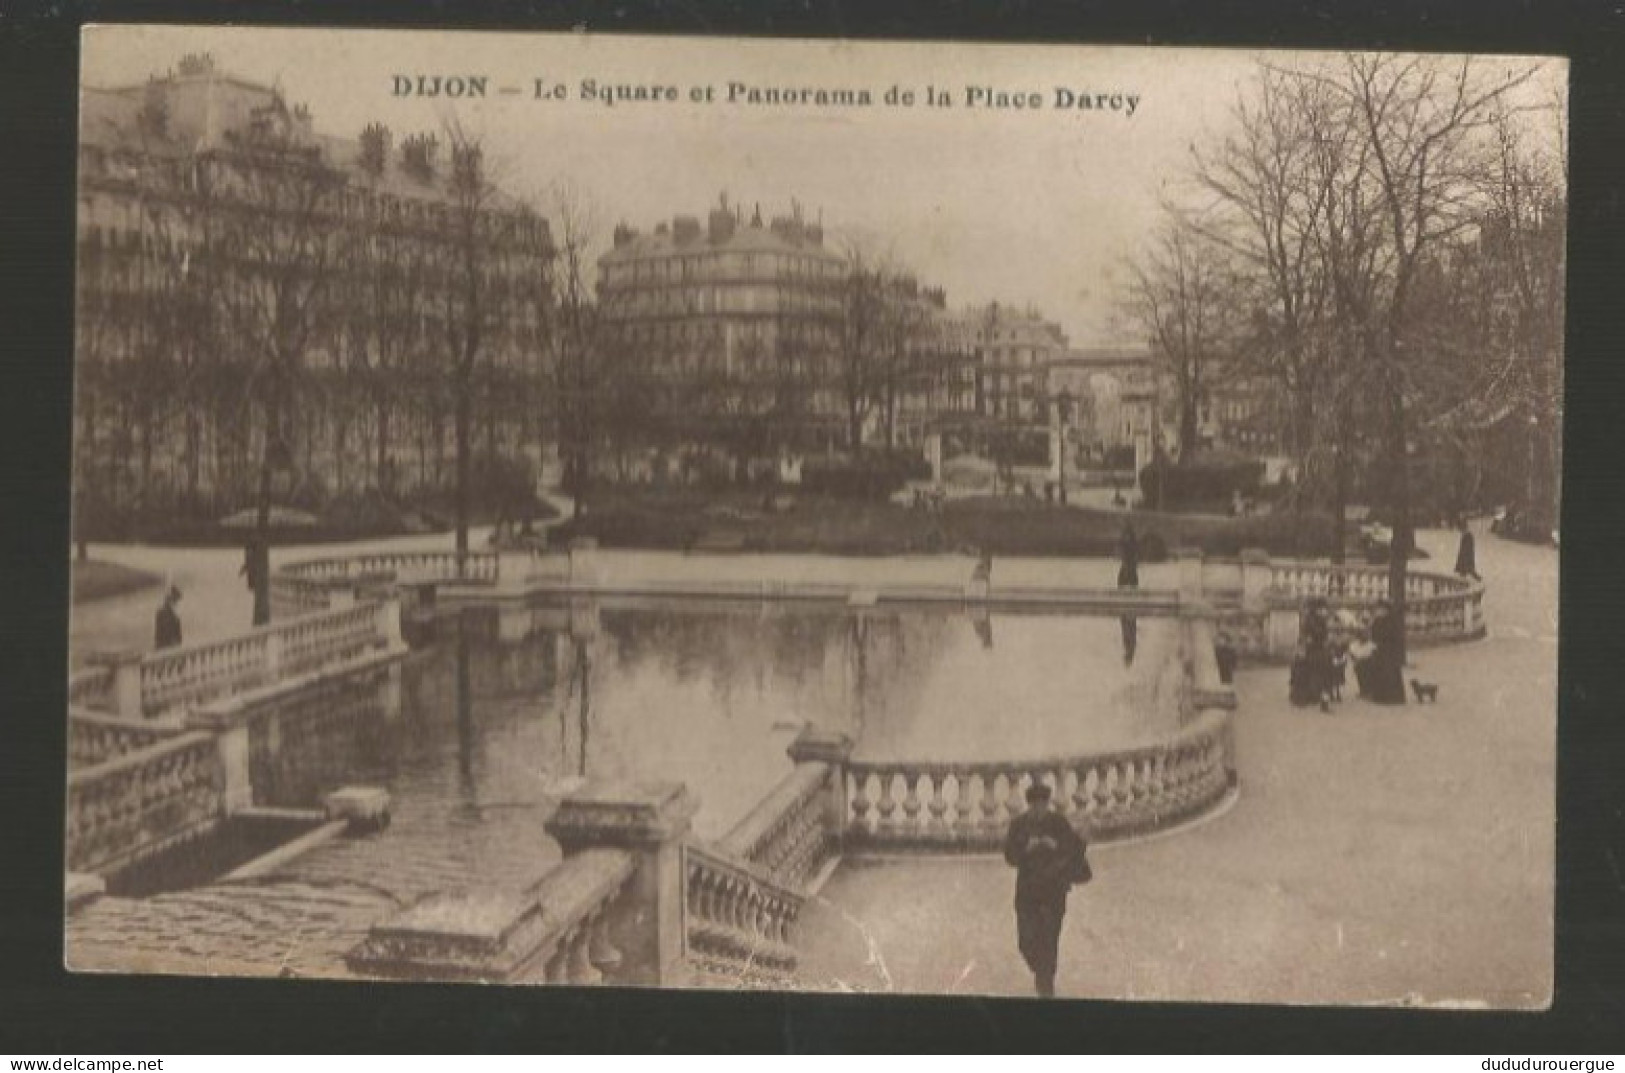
[(1467, 554), (166, 624), (1049, 857)]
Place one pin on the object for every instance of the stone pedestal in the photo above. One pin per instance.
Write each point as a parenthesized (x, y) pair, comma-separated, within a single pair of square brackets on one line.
[(815, 745), (364, 808), (238, 792), (126, 692), (650, 821)]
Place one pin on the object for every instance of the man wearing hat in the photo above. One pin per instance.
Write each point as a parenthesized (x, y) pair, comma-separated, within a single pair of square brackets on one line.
[(1049, 857), (166, 624)]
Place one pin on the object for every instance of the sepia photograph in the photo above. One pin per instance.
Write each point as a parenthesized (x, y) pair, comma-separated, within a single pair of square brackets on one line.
[(1043, 521)]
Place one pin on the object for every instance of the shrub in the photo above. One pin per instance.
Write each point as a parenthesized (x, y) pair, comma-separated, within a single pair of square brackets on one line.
[(1203, 483), (872, 475)]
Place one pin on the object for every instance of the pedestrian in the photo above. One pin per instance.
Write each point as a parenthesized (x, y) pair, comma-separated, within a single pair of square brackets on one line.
[(984, 568), (1466, 553), (1380, 674), (1049, 857), (166, 624), (1128, 550)]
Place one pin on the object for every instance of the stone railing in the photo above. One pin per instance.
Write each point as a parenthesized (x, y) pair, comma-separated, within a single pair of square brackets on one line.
[(95, 738), (967, 807), (312, 584), (144, 801), (176, 677), (739, 919), (1117, 793), (1438, 607), (1260, 600), (134, 686), (788, 835), (1358, 583), (314, 641)]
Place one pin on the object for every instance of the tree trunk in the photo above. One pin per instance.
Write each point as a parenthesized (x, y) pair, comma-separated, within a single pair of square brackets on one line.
[(383, 446), (1187, 431), (464, 434), (259, 567), (1340, 484), (1404, 535)]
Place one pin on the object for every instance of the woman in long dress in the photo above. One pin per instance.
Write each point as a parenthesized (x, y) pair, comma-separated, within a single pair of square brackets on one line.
[(1381, 677)]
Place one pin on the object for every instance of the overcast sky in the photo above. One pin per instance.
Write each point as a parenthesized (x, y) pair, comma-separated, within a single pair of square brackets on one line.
[(1024, 206)]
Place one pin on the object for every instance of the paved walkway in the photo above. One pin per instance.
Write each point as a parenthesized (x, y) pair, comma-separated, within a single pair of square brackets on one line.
[(1374, 856)]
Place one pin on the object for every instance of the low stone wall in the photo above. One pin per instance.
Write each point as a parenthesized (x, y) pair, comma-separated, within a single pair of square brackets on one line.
[(95, 738), (173, 681), (1260, 602), (319, 584), (143, 802), (1118, 793)]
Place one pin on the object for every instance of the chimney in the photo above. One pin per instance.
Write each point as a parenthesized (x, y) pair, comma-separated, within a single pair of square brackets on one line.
[(375, 147), (623, 235)]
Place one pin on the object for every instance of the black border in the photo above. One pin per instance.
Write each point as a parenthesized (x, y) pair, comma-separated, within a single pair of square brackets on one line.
[(45, 1010)]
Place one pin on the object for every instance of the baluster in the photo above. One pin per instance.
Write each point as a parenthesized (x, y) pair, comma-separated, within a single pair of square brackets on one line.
[(860, 799), (987, 799), (1080, 791), (911, 799), (938, 805), (886, 804)]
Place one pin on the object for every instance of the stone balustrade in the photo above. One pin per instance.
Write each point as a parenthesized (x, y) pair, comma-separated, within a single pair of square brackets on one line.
[(787, 835), (176, 677), (558, 931), (95, 738), (739, 919), (91, 688), (143, 801), (173, 680), (313, 641), (967, 807), (310, 585)]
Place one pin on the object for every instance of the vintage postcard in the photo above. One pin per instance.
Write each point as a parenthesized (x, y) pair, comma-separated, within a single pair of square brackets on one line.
[(846, 516)]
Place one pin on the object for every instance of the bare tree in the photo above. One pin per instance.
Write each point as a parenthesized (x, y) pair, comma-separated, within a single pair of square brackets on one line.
[(1181, 293), (1268, 203), (276, 245), (1425, 122), (575, 333), (863, 306)]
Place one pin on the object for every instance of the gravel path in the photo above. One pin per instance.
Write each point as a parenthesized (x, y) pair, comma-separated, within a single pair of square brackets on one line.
[(1396, 856)]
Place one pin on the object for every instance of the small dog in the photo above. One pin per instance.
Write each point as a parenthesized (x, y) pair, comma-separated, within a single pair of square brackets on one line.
[(1426, 692)]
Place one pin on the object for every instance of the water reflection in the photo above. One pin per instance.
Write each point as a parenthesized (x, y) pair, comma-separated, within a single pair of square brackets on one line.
[(509, 709)]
